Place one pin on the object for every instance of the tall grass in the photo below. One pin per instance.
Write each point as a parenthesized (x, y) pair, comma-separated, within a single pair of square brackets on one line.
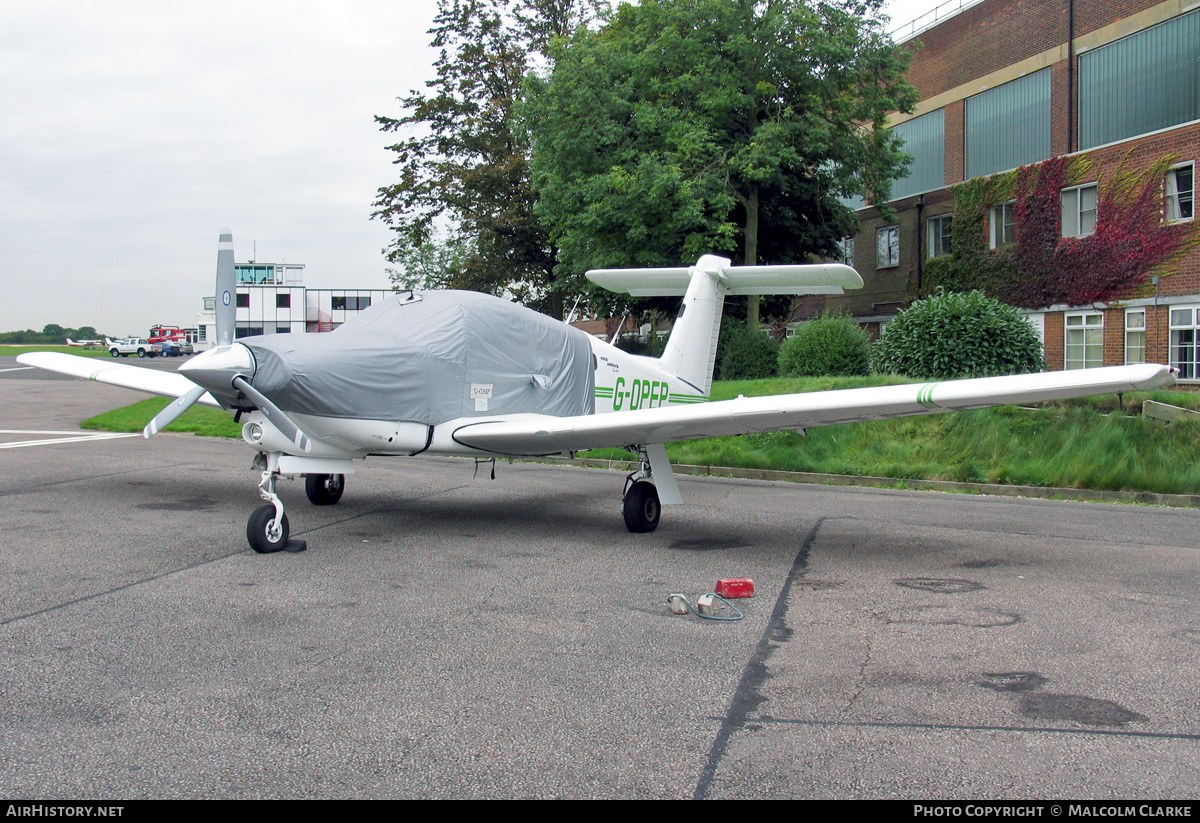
[(1084, 443)]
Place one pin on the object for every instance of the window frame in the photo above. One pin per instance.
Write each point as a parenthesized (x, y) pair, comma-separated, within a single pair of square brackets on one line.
[(1089, 359), (845, 251), (939, 227), (893, 243), (1131, 330), (1189, 371), (998, 224), (1167, 195), (1078, 212)]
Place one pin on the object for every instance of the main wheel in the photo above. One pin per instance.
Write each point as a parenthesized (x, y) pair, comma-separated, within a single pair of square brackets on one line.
[(263, 539), (324, 489), (642, 507)]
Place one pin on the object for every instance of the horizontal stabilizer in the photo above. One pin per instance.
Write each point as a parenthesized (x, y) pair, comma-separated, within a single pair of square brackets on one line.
[(824, 278)]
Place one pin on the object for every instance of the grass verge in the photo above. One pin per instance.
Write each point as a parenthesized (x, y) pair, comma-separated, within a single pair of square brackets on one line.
[(13, 351), (201, 420)]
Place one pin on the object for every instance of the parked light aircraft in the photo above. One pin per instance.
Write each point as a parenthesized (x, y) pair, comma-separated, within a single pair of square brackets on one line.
[(87, 344), (461, 373)]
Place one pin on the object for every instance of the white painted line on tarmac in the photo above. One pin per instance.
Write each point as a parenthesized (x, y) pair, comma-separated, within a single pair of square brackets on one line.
[(76, 438), (18, 368), (71, 433)]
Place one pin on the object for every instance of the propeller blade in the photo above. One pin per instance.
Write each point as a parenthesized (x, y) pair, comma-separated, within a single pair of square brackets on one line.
[(282, 422), (226, 303), (175, 408)]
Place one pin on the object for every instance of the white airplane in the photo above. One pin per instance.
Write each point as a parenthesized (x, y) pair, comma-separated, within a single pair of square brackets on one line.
[(87, 344), (467, 374)]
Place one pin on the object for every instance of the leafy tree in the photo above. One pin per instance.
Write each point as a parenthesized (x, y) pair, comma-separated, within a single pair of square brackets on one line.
[(684, 127), (830, 344), (958, 335), (463, 155)]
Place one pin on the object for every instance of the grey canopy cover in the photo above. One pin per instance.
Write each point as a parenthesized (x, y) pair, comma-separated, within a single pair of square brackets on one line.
[(429, 360)]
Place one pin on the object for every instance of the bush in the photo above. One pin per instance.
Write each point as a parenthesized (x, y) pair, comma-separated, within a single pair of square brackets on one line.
[(958, 335), (743, 354), (830, 344)]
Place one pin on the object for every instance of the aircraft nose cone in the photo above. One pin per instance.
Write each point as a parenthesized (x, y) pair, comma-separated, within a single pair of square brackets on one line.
[(215, 369)]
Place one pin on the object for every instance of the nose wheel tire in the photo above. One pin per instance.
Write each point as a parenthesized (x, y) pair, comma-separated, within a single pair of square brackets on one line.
[(324, 489), (642, 507), (263, 538)]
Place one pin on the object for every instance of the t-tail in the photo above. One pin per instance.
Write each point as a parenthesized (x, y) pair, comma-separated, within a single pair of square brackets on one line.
[(692, 347)]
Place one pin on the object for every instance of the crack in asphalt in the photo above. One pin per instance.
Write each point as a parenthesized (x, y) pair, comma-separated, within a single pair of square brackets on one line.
[(748, 696)]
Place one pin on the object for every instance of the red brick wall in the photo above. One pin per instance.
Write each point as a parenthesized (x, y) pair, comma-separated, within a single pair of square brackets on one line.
[(956, 142), (1056, 341), (997, 33)]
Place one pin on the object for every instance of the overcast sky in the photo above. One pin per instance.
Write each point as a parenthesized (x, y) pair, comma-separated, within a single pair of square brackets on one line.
[(133, 131)]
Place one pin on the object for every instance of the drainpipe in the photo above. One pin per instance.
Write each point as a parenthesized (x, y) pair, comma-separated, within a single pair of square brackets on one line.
[(920, 239)]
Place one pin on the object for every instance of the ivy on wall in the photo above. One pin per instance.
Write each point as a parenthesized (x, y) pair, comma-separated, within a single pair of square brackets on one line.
[(1042, 268)]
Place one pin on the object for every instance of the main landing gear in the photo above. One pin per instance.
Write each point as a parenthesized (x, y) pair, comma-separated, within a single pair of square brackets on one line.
[(642, 506), (324, 489)]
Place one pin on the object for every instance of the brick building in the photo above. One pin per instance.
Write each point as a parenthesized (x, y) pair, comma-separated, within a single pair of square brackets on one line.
[(1008, 83)]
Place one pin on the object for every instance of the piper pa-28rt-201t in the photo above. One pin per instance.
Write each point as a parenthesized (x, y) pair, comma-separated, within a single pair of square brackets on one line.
[(461, 373)]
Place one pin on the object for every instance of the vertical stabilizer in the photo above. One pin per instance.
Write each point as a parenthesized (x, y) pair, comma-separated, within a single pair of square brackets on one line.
[(225, 305), (691, 349)]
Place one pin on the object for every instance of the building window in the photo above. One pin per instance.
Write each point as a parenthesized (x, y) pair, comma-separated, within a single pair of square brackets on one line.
[(1008, 126), (939, 235), (1079, 211), (1147, 81), (1184, 342), (1003, 224), (887, 247), (351, 303), (1180, 188), (283, 301), (249, 331), (925, 139), (1085, 340), (845, 251), (1135, 336), (243, 300), (283, 329)]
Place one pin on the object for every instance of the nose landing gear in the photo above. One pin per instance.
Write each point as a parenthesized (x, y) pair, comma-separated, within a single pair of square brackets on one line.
[(267, 530)]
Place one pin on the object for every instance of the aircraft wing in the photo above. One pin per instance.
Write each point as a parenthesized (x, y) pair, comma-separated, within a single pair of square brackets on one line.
[(152, 381), (542, 435)]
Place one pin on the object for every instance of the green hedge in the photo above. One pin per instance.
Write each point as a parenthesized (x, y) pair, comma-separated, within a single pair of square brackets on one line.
[(949, 335)]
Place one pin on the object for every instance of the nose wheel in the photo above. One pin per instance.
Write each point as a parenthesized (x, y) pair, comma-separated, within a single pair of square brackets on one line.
[(267, 529), (264, 533)]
